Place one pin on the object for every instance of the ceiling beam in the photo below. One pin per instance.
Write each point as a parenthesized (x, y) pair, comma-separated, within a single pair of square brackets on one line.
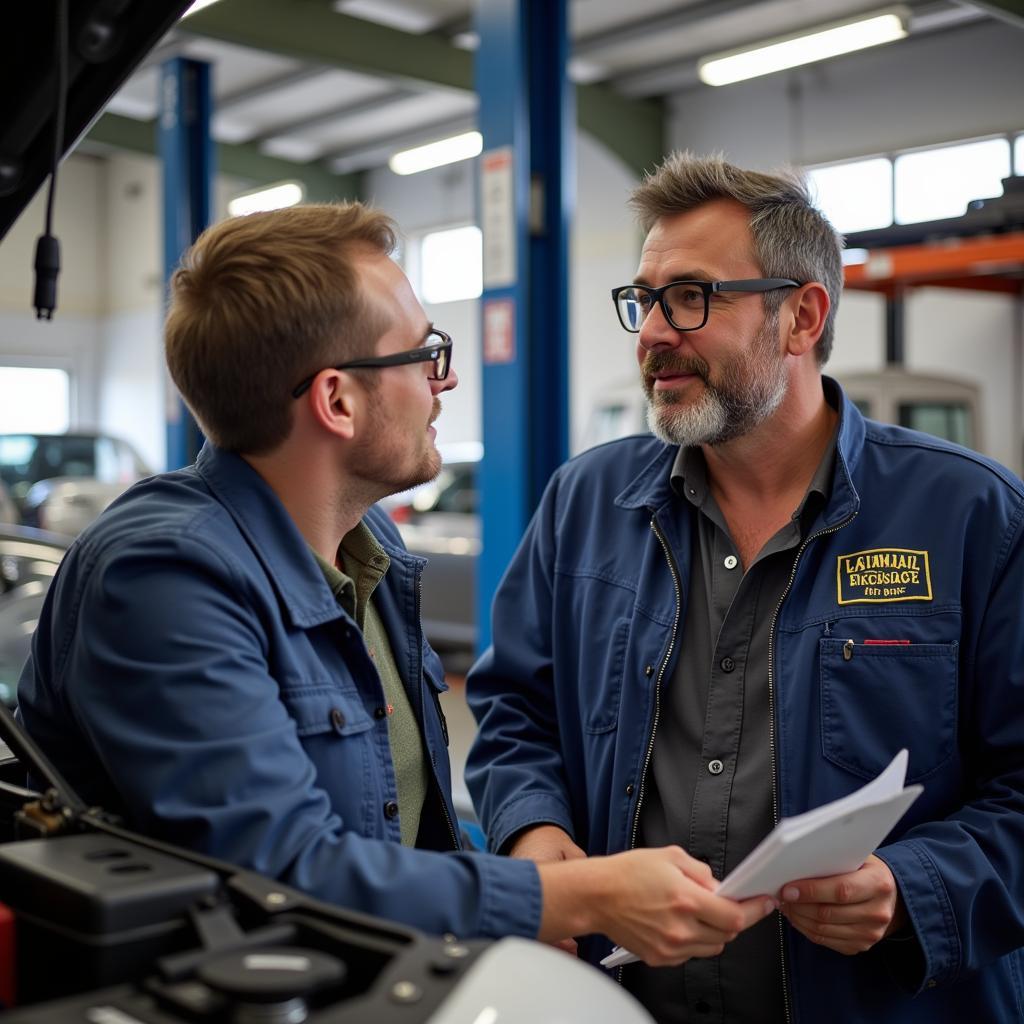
[(241, 160), (636, 29), (297, 125), (239, 97), (310, 31), (1010, 11)]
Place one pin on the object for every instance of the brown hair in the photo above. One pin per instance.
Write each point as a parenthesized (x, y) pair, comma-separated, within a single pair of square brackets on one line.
[(261, 302), (792, 238)]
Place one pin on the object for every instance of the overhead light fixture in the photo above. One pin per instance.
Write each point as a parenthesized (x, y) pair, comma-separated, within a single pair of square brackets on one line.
[(437, 154), (198, 6), (270, 197), (805, 47)]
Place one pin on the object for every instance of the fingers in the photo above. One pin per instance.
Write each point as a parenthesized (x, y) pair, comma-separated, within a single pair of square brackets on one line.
[(873, 879), (871, 912)]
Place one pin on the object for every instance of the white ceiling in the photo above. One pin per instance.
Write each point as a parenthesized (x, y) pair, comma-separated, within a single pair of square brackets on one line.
[(351, 119)]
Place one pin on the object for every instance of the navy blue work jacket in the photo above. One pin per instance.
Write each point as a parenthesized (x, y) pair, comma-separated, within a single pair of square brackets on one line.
[(921, 543), (193, 671)]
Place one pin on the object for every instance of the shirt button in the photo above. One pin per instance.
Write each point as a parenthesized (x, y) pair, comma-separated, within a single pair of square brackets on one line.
[(380, 713), (390, 809), (727, 664), (648, 670), (629, 789), (337, 718), (716, 767), (730, 562), (700, 1006)]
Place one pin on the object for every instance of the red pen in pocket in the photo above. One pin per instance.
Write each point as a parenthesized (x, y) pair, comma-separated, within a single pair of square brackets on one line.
[(884, 643)]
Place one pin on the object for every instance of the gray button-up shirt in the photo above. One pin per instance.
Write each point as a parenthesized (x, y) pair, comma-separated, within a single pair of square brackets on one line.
[(709, 785)]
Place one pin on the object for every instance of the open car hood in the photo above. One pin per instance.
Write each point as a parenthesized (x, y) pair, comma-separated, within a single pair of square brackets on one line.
[(107, 39)]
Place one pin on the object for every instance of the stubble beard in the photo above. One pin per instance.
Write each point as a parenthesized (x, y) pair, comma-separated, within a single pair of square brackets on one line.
[(391, 468), (748, 388)]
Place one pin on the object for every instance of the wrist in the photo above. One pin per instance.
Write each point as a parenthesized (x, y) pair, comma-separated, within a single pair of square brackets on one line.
[(573, 894)]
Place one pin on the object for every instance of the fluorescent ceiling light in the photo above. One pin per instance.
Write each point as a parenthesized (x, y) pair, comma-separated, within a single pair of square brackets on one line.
[(436, 154), (805, 47), (405, 15), (273, 197), (198, 6)]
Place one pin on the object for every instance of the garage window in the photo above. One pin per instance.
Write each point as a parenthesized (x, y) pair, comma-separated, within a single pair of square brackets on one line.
[(36, 400), (451, 265), (937, 183)]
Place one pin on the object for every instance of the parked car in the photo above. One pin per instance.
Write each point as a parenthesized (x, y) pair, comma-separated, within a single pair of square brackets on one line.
[(8, 509), (439, 520), (68, 504), (28, 561), (25, 459)]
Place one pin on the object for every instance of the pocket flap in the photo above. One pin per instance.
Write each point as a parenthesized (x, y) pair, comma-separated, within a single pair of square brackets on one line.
[(326, 710)]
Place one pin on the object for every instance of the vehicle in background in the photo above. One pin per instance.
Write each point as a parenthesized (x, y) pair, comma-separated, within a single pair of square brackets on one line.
[(28, 561), (8, 510), (68, 504), (941, 406), (25, 459), (618, 411), (439, 520)]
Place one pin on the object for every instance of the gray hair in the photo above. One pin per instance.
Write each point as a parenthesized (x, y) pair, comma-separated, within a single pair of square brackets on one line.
[(792, 238)]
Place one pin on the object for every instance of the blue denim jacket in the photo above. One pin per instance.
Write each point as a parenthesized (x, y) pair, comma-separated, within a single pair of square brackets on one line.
[(920, 542), (193, 671)]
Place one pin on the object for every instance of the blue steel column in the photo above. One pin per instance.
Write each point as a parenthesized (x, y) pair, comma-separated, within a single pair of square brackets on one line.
[(187, 153), (526, 104)]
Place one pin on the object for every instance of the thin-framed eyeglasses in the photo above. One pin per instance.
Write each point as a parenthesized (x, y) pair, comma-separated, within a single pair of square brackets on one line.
[(438, 352), (684, 303)]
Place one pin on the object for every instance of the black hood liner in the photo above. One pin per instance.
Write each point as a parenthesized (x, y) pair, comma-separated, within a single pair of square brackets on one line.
[(107, 40)]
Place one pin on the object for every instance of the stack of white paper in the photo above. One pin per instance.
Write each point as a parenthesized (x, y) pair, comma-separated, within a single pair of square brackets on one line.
[(830, 840)]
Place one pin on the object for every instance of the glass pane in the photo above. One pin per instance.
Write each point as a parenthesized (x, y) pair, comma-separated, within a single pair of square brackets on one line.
[(855, 196), (939, 183), (948, 420), (1018, 155), (452, 265), (36, 400)]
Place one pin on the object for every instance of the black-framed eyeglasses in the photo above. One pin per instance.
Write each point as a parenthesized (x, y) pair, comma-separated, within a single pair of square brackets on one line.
[(437, 352), (684, 303)]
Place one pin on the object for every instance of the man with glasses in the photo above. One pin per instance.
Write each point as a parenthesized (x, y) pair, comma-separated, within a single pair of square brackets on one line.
[(231, 656), (748, 615)]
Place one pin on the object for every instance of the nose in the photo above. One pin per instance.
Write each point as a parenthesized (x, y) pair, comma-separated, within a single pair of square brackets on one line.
[(439, 387), (656, 332)]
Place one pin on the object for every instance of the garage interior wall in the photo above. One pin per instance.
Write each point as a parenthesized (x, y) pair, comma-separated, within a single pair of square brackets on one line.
[(107, 327)]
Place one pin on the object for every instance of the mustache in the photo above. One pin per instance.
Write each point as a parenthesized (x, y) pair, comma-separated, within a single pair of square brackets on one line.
[(670, 362)]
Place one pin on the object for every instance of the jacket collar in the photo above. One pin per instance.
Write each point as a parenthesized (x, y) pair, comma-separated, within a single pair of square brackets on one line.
[(272, 534), (652, 489)]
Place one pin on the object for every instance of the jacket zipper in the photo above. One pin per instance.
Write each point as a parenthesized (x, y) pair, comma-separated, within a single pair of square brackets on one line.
[(657, 689), (771, 740), (661, 674), (456, 845)]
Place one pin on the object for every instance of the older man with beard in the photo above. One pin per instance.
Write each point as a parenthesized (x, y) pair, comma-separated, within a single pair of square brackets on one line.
[(748, 615), (231, 657)]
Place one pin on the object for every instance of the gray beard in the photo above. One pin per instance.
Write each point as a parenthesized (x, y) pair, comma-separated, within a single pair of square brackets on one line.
[(751, 389)]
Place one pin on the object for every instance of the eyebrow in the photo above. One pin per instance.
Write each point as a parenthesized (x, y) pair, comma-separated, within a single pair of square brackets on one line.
[(693, 275)]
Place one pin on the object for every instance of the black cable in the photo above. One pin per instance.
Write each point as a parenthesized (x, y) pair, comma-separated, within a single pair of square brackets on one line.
[(47, 261)]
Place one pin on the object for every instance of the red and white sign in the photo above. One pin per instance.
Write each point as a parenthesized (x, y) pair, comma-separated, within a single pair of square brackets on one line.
[(499, 331)]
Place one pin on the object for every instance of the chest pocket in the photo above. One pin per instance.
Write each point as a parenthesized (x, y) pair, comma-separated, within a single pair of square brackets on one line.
[(326, 710), (876, 700)]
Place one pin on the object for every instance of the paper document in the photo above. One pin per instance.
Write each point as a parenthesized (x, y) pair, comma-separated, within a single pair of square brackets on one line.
[(830, 840)]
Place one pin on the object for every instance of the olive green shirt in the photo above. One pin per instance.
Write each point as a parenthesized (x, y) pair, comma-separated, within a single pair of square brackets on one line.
[(362, 564)]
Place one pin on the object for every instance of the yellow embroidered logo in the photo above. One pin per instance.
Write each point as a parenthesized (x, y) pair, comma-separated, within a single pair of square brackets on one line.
[(883, 574)]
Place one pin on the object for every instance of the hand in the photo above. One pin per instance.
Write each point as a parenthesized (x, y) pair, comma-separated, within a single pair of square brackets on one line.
[(659, 904), (848, 913), (545, 843)]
